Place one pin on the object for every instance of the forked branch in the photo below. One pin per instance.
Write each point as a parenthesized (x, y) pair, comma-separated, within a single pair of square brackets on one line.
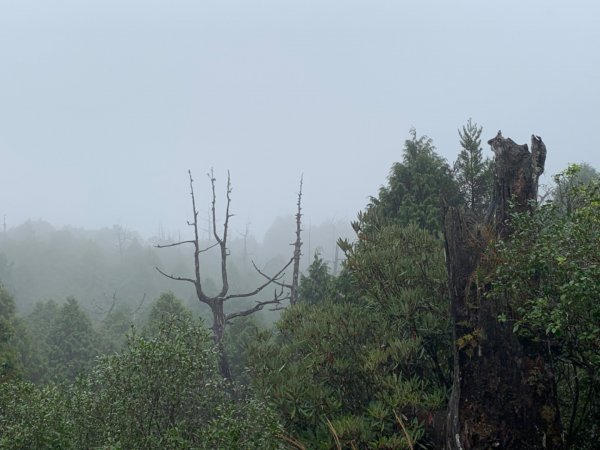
[(216, 303), (270, 280), (278, 297)]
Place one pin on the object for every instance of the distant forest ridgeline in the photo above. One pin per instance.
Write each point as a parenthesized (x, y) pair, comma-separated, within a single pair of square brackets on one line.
[(116, 266)]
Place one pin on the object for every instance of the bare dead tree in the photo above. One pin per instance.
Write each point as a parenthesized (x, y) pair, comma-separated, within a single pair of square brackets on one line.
[(245, 235), (138, 307), (504, 390), (293, 286), (123, 236), (336, 261), (111, 302), (297, 248), (106, 311), (216, 303)]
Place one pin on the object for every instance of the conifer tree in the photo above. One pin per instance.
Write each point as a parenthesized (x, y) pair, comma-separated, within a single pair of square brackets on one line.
[(418, 188), (72, 342), (9, 361), (318, 284), (166, 307), (473, 173)]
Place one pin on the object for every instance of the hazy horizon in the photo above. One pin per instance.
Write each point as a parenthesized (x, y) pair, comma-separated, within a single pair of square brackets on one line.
[(105, 106)]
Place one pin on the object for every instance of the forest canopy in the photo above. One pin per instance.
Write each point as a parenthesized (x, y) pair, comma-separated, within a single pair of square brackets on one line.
[(367, 357)]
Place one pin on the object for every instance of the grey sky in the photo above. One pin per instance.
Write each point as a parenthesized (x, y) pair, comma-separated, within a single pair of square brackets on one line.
[(104, 105)]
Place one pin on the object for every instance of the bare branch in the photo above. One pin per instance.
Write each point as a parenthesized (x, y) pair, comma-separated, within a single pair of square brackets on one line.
[(277, 299), (278, 283), (173, 244), (280, 307), (212, 178), (295, 259), (112, 305), (297, 248), (262, 286), (216, 302), (223, 243), (208, 248), (227, 214), (140, 304), (198, 282), (245, 236), (106, 312), (174, 277)]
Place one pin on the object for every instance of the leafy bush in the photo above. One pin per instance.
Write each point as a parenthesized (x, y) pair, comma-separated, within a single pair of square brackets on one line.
[(163, 392), (551, 270), (9, 360), (348, 369)]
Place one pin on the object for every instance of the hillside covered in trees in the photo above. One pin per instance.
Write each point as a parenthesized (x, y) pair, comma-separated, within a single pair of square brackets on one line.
[(462, 314)]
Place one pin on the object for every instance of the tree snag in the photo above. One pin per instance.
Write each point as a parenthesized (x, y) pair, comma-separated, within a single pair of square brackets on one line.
[(293, 286), (504, 392), (216, 303), (297, 249)]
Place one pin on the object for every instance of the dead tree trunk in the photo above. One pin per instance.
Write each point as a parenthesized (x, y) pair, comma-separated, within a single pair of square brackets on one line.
[(297, 250), (504, 392), (293, 286), (216, 303)]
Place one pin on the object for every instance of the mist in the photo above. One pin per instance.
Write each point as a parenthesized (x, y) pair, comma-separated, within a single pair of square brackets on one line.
[(295, 224), (104, 107)]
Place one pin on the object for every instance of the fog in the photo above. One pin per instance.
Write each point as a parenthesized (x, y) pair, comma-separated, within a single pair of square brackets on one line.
[(104, 106), (40, 262)]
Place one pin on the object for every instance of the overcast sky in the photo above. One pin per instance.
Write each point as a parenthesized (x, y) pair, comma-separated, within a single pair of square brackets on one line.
[(105, 105)]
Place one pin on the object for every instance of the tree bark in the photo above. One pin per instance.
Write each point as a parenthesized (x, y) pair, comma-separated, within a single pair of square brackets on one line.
[(216, 303), (504, 391), (218, 329), (297, 250)]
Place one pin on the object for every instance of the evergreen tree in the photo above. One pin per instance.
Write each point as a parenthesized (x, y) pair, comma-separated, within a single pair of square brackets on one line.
[(473, 173), (9, 358), (114, 329), (31, 360), (37, 327), (318, 285), (166, 307), (73, 343), (41, 320), (362, 362), (417, 189)]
